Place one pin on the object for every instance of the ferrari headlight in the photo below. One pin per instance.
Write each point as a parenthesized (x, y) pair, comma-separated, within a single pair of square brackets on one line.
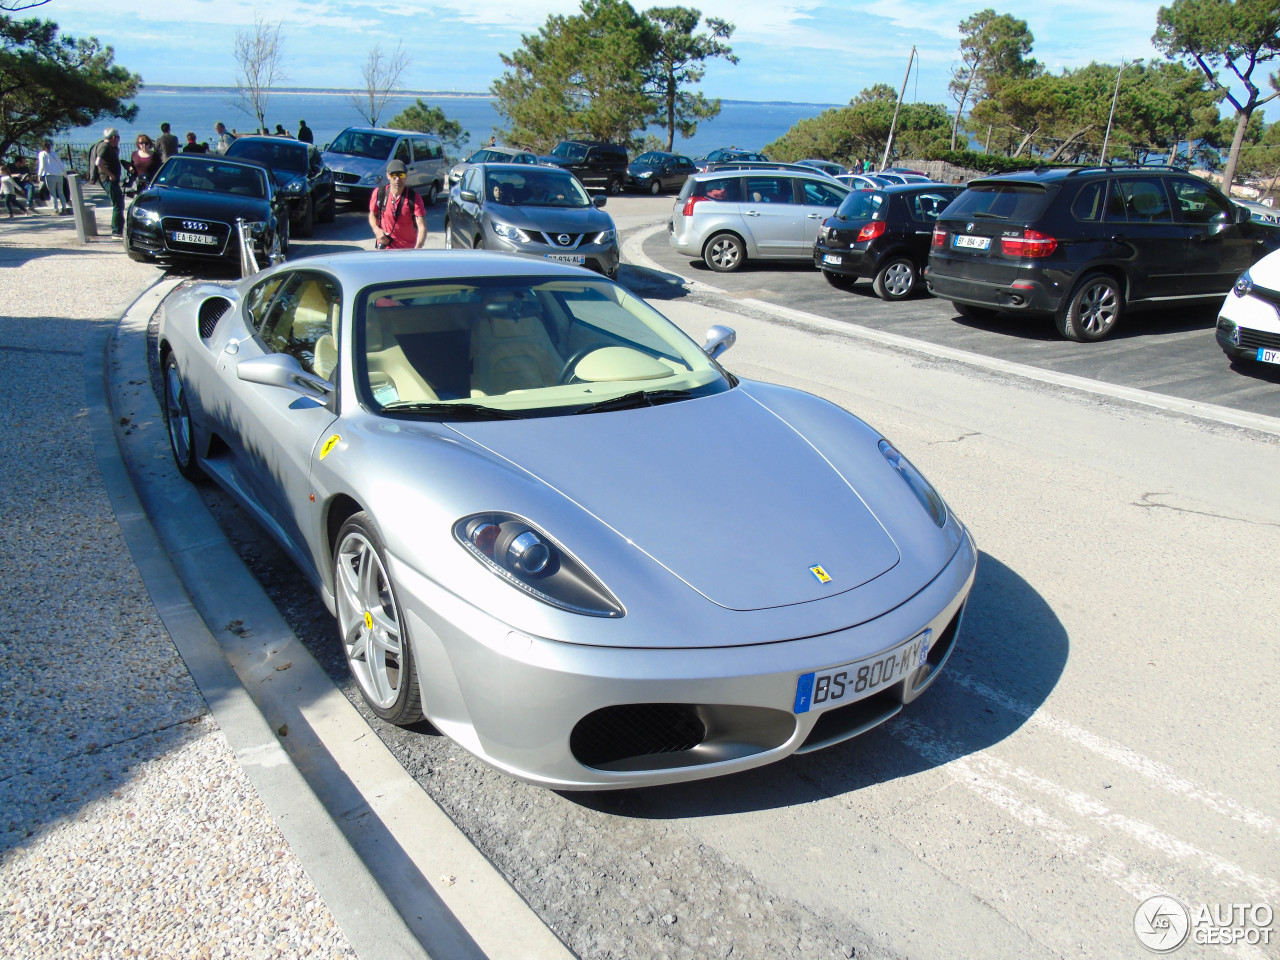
[(1244, 286), (508, 232), (921, 487), (606, 236), (530, 561)]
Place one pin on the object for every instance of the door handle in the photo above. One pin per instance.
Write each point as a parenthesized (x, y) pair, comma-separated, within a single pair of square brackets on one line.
[(1198, 236), (814, 216), (752, 213)]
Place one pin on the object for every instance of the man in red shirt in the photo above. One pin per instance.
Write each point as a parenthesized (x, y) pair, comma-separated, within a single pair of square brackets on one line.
[(396, 213)]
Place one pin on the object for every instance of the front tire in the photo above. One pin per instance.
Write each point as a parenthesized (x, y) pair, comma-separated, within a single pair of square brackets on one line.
[(177, 421), (371, 624), (615, 186), (1093, 311), (724, 253), (656, 187), (433, 194), (896, 279)]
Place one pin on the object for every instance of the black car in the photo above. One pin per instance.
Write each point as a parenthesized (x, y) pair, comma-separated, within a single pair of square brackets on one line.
[(726, 154), (300, 175), (189, 212), (882, 234), (596, 163), (657, 170), (1080, 244)]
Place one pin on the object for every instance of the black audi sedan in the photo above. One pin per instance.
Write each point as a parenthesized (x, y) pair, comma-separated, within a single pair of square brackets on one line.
[(189, 212), (300, 174), (883, 235)]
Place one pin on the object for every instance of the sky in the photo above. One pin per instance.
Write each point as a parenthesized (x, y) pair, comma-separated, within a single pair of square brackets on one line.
[(810, 51)]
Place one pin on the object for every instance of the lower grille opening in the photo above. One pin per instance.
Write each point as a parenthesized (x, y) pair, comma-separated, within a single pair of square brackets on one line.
[(844, 723)]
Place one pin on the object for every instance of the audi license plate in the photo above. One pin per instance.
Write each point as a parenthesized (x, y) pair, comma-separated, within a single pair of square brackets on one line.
[(182, 237), (850, 682), (577, 258), (1269, 355), (971, 243), (832, 258)]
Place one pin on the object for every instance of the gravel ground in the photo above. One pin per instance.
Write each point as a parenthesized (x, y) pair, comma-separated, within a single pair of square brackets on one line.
[(126, 826)]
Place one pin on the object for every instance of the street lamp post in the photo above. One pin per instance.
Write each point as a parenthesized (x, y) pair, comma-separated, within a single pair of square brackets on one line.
[(1115, 96)]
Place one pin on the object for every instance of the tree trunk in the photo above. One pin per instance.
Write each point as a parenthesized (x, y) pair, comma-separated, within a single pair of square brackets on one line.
[(1229, 173), (1026, 141), (955, 125), (1070, 141)]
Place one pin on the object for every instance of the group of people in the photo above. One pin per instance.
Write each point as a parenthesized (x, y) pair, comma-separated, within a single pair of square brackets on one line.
[(17, 178)]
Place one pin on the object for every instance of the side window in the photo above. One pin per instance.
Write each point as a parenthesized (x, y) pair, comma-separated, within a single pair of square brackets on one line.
[(725, 189), (927, 206), (305, 312), (769, 190), (1200, 203), (1088, 204), (424, 149), (259, 299), (402, 152), (820, 195), (1145, 201)]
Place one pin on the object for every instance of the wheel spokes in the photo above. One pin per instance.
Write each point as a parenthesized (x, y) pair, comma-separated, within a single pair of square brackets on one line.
[(367, 619)]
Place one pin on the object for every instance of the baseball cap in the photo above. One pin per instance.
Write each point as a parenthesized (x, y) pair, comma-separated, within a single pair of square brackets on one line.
[(396, 166)]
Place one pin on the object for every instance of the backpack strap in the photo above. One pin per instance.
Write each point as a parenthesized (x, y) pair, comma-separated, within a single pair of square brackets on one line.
[(382, 201)]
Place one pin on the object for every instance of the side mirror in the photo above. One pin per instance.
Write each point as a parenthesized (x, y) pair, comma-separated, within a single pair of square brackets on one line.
[(324, 148), (1243, 215), (468, 195), (719, 339), (598, 201), (282, 370)]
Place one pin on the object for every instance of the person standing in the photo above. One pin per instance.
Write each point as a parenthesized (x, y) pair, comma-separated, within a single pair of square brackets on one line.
[(304, 132), (396, 213), (224, 140), (191, 146), (54, 176), (166, 146), (9, 190), (109, 175), (145, 161)]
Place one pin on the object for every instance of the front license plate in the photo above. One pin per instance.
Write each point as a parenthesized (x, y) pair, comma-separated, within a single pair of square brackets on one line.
[(833, 258), (971, 243), (341, 188), (180, 236), (1269, 355), (567, 258), (850, 682)]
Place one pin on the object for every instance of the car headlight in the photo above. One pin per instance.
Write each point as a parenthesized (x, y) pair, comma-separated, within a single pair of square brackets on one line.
[(921, 487), (508, 232), (532, 562), (295, 186), (1244, 286), (257, 228), (606, 236), (145, 214), (370, 179), (643, 174)]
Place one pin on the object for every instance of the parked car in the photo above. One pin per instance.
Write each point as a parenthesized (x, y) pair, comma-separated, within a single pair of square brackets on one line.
[(657, 170), (596, 163), (489, 155), (494, 472), (188, 213), (1248, 325), (724, 154), (883, 234), (358, 157), (1259, 212), (863, 181), (537, 211), (762, 165), (300, 175), (829, 167), (727, 217), (1081, 244)]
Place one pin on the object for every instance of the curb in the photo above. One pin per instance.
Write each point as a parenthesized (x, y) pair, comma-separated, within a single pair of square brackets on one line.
[(367, 834), (633, 247)]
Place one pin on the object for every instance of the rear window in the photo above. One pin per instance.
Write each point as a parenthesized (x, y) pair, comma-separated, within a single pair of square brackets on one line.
[(861, 205), (1018, 202)]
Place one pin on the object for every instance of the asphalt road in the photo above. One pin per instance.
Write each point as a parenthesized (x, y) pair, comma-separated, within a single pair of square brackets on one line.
[(1104, 733)]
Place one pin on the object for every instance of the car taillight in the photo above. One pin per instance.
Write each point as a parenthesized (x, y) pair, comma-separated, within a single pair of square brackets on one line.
[(1031, 244), (688, 205), (870, 231), (939, 237)]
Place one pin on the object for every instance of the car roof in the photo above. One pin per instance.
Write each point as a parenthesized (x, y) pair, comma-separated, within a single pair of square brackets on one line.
[(398, 133), (522, 167), (809, 173), (360, 268), (219, 158)]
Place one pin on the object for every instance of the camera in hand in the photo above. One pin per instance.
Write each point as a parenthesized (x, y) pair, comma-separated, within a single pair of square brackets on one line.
[(384, 241)]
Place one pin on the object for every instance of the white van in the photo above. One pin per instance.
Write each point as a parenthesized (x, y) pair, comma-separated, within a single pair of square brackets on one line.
[(358, 157)]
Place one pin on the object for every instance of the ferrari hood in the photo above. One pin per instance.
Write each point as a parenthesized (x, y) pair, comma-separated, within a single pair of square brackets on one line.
[(718, 490)]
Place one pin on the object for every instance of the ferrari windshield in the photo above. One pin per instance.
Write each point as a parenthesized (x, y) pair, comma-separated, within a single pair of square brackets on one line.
[(520, 346)]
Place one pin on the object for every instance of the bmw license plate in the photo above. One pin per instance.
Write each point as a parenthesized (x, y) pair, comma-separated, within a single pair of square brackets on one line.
[(833, 258), (567, 258), (342, 188), (1268, 355), (180, 236), (971, 243), (850, 682)]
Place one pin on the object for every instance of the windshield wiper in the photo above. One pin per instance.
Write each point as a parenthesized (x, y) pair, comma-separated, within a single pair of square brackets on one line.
[(641, 398), (454, 411)]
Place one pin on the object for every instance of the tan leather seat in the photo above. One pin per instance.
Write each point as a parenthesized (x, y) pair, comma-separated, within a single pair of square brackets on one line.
[(391, 376), (511, 350)]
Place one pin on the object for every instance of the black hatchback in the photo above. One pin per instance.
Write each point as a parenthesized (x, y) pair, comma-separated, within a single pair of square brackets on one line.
[(882, 234), (1080, 244)]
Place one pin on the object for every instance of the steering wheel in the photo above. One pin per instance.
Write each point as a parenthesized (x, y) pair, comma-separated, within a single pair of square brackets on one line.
[(566, 372)]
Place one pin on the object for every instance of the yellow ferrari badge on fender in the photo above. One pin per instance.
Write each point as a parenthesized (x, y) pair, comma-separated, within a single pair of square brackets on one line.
[(819, 573), (329, 445)]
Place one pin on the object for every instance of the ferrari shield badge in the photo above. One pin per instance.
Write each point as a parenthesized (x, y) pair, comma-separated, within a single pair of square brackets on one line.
[(821, 575), (329, 445)]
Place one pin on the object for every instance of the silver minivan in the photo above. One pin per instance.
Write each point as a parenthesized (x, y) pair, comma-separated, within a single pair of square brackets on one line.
[(358, 157), (728, 217)]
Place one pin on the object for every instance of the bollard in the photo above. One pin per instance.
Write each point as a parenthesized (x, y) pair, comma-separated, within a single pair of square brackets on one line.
[(248, 262), (86, 221)]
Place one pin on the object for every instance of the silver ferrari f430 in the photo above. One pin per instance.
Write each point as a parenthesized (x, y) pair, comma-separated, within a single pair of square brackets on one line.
[(552, 524)]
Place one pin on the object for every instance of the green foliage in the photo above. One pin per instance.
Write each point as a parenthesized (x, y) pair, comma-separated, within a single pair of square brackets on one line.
[(860, 130), (679, 62), (427, 119), (50, 82), (581, 75), (994, 50)]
